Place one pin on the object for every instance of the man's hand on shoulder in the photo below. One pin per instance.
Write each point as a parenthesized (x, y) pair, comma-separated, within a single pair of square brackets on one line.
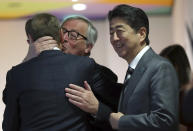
[(44, 43), (83, 98)]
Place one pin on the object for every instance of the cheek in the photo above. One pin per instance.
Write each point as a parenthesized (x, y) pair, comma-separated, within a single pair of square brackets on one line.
[(71, 44)]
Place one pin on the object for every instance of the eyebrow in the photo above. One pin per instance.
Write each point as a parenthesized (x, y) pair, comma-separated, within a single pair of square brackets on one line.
[(70, 30), (118, 26)]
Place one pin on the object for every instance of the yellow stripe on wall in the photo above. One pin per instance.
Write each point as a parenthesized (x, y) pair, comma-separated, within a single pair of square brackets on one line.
[(14, 9), (141, 2)]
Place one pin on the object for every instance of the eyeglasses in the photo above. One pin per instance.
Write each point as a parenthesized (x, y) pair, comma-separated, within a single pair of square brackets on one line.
[(73, 35)]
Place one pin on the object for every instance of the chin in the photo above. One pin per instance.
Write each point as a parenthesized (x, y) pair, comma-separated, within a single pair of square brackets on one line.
[(121, 54)]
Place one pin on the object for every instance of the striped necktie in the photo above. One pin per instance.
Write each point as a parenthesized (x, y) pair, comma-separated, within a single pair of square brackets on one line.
[(129, 73)]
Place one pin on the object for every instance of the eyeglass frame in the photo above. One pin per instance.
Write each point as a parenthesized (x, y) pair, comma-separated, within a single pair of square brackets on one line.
[(69, 32)]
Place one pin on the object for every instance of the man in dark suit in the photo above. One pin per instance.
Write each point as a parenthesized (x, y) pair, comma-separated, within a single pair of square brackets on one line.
[(34, 93), (149, 100), (103, 76)]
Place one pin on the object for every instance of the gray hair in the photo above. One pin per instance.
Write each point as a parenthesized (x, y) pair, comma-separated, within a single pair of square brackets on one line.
[(91, 32)]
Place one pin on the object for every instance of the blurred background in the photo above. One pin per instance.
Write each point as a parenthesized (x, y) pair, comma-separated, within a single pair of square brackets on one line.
[(171, 22)]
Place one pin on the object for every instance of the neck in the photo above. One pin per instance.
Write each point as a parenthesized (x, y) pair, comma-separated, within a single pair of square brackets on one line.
[(31, 53), (134, 53)]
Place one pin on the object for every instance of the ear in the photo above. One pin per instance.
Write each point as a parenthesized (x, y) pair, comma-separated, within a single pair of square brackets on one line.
[(142, 34), (88, 48), (29, 40)]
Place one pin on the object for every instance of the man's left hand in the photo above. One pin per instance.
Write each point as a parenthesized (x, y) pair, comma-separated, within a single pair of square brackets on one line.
[(83, 98)]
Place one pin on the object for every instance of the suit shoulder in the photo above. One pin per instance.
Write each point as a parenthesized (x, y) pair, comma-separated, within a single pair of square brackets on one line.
[(76, 57), (164, 61), (106, 72), (161, 64)]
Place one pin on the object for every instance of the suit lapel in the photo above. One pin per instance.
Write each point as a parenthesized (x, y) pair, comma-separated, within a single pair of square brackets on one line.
[(134, 80), (131, 85)]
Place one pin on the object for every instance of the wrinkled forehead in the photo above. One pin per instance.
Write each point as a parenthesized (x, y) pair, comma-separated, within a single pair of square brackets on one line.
[(76, 25)]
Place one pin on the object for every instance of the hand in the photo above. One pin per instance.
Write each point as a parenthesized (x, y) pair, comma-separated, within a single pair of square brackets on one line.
[(114, 119), (44, 43), (83, 98)]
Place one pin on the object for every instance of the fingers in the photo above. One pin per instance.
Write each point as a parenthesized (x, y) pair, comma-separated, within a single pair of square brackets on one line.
[(78, 104), (44, 43), (73, 92), (74, 98), (45, 38), (78, 88), (87, 86)]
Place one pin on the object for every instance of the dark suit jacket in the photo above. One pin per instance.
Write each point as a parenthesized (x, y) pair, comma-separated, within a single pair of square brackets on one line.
[(35, 97), (150, 101), (107, 91), (34, 94), (109, 95)]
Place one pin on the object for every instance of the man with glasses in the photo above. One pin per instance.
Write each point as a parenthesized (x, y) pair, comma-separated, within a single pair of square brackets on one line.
[(76, 29), (79, 37)]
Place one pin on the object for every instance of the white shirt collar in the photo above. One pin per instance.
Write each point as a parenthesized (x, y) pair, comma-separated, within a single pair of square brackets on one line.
[(56, 48), (135, 61)]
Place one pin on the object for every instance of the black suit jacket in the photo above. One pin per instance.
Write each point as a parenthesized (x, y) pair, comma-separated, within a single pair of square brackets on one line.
[(107, 91), (109, 95), (34, 94)]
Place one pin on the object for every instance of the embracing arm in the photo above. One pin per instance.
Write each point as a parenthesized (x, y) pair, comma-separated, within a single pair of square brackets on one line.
[(105, 86), (85, 100), (41, 44)]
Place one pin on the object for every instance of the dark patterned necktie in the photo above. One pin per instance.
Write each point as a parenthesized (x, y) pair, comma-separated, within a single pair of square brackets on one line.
[(129, 72), (127, 77)]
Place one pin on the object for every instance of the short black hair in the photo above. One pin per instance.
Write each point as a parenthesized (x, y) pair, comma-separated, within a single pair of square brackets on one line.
[(43, 24), (135, 17)]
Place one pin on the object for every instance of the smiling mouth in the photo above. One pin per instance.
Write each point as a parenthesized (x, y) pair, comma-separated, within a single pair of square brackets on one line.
[(119, 45)]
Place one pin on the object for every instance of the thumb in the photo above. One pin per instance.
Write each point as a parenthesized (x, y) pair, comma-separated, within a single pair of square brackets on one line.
[(87, 86)]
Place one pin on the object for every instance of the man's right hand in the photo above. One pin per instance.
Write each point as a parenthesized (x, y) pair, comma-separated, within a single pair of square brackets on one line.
[(44, 43)]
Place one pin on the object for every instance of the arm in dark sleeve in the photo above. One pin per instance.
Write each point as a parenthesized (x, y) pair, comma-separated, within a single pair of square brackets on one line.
[(107, 91), (106, 88), (11, 113), (101, 121)]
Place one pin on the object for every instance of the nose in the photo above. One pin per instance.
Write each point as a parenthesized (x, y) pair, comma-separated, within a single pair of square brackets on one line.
[(65, 36), (115, 36)]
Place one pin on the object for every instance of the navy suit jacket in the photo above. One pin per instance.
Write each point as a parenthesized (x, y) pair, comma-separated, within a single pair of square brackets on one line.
[(35, 98), (150, 99)]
